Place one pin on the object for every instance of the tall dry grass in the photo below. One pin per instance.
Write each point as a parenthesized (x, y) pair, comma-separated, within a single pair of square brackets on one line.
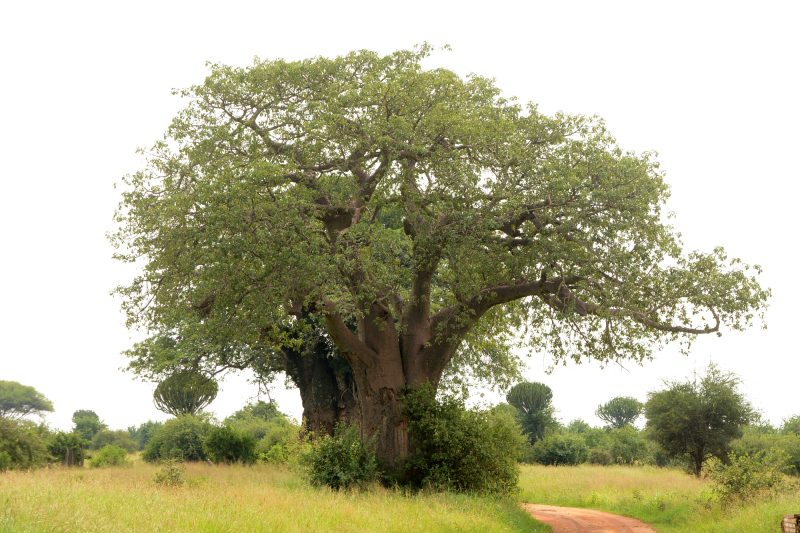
[(231, 499)]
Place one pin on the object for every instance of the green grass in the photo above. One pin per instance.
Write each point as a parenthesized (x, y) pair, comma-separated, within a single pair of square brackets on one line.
[(232, 499), (670, 500)]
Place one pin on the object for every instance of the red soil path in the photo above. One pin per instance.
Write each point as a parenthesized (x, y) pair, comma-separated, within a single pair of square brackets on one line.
[(570, 520)]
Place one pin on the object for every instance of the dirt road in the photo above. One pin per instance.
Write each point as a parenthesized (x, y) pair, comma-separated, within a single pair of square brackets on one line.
[(570, 520)]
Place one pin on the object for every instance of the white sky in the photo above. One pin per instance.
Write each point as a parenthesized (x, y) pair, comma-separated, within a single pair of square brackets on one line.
[(711, 86)]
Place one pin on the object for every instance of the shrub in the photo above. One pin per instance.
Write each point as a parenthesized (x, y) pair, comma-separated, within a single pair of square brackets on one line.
[(757, 444), (180, 438), (5, 461), (454, 449), (110, 455), (173, 474), (119, 438), (66, 448), (227, 445), (627, 445), (561, 450), (504, 413), (599, 456), (342, 461), (21, 444), (596, 438), (746, 476)]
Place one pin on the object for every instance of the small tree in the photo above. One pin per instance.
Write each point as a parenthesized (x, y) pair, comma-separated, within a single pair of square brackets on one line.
[(18, 401), (532, 400), (67, 448), (698, 418), (184, 393), (620, 411), (86, 423)]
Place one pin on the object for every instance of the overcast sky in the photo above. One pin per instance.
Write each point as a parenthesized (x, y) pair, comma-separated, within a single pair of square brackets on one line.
[(711, 86)]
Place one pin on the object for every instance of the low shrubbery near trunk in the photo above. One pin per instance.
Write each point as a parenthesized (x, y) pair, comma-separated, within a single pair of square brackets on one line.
[(341, 461), (456, 449)]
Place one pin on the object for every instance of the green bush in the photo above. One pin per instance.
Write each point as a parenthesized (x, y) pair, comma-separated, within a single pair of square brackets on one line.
[(455, 449), (596, 438), (342, 461), (110, 455), (599, 456), (627, 445), (556, 449), (5, 461), (173, 474), (119, 438), (745, 476), (507, 414), (65, 447), (227, 445), (22, 444), (179, 438)]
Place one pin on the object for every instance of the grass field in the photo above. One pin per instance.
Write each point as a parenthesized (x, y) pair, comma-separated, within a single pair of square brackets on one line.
[(672, 501), (232, 499), (267, 498)]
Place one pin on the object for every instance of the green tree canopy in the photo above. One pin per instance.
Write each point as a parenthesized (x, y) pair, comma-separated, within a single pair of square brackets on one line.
[(87, 423), (423, 206), (533, 402), (18, 401), (698, 418), (184, 393), (620, 411)]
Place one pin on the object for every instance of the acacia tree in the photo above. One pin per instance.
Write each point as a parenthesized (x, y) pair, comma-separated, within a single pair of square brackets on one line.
[(620, 411), (424, 207), (18, 401), (698, 418)]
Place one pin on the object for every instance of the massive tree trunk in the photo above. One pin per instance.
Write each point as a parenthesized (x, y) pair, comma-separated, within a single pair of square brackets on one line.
[(327, 389)]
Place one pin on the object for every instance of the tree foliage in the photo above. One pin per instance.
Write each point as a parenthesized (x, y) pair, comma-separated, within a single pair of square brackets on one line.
[(179, 438), (698, 418), (18, 401), (119, 438), (21, 444), (66, 448), (144, 432), (426, 208), (87, 423), (184, 393), (620, 411)]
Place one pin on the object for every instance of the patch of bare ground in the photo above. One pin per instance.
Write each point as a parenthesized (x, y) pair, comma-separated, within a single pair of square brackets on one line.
[(571, 520)]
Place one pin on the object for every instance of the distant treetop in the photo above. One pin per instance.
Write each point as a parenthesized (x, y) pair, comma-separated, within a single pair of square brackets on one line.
[(18, 401)]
